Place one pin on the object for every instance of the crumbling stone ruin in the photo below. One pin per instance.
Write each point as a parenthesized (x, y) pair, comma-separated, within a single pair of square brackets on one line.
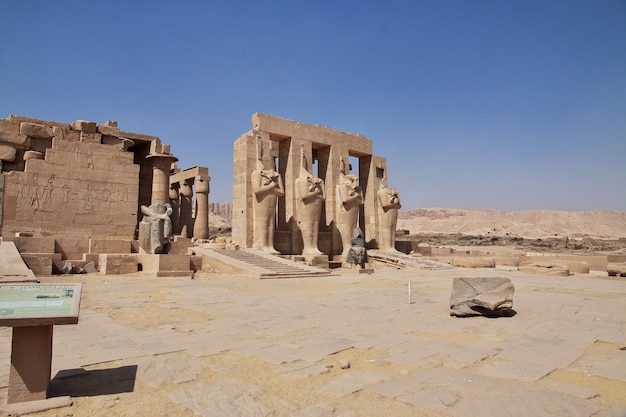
[(75, 191), (294, 192)]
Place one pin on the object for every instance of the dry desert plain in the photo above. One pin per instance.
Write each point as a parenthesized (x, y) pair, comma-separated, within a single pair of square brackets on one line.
[(220, 345)]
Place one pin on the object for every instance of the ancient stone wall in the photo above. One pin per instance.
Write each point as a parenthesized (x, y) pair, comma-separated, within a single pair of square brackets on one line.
[(74, 180)]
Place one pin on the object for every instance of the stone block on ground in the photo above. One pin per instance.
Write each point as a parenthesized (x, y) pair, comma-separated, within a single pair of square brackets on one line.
[(491, 297), (165, 265), (474, 262), (616, 269), (549, 268), (506, 260), (117, 264)]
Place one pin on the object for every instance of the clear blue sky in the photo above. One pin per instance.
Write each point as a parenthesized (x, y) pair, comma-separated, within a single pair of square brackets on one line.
[(511, 105)]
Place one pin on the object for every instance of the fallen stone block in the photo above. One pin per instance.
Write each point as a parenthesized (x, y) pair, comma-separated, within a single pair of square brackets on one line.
[(474, 262), (90, 268), (616, 269), (490, 297), (550, 268), (506, 260)]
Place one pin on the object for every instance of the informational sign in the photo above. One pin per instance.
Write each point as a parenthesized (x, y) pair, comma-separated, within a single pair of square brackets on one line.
[(39, 304)]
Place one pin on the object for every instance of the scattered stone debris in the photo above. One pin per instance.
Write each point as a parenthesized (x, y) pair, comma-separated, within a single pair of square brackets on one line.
[(491, 297)]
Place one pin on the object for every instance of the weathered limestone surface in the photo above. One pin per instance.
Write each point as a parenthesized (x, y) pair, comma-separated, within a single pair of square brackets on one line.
[(36, 130), (7, 153), (474, 262), (80, 189), (616, 269), (117, 264), (550, 268), (481, 296)]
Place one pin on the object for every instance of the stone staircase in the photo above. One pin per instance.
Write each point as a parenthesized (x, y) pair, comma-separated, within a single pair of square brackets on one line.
[(402, 260), (254, 263)]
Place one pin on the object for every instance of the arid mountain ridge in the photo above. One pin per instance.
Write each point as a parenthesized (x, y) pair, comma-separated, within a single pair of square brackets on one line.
[(601, 224)]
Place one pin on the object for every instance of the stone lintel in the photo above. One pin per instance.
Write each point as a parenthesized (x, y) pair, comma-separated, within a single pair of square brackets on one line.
[(138, 137), (193, 172), (357, 144)]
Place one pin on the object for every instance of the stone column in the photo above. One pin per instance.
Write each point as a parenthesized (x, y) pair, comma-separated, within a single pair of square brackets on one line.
[(175, 203), (161, 165), (201, 225), (185, 219)]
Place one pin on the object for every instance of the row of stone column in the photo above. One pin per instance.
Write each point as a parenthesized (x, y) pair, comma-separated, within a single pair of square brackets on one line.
[(179, 194), (181, 199)]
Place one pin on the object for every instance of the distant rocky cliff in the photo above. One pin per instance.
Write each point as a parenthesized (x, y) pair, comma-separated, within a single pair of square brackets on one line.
[(224, 210)]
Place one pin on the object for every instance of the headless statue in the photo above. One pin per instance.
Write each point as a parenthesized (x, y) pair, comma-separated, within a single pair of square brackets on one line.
[(155, 229), (350, 198), (311, 197), (388, 217), (267, 185)]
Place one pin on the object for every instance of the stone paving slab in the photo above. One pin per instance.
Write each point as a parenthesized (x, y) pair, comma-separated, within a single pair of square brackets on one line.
[(557, 323), (354, 381), (228, 398), (464, 394)]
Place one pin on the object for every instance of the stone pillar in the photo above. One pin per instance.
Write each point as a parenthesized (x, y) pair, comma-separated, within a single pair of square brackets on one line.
[(175, 204), (201, 225), (185, 219), (31, 364), (161, 165)]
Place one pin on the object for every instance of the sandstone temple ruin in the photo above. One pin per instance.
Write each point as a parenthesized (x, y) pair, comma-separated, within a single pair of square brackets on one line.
[(76, 191), (88, 192), (303, 189)]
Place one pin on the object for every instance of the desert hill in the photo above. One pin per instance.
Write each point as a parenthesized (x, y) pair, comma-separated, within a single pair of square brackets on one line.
[(532, 224), (602, 224)]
